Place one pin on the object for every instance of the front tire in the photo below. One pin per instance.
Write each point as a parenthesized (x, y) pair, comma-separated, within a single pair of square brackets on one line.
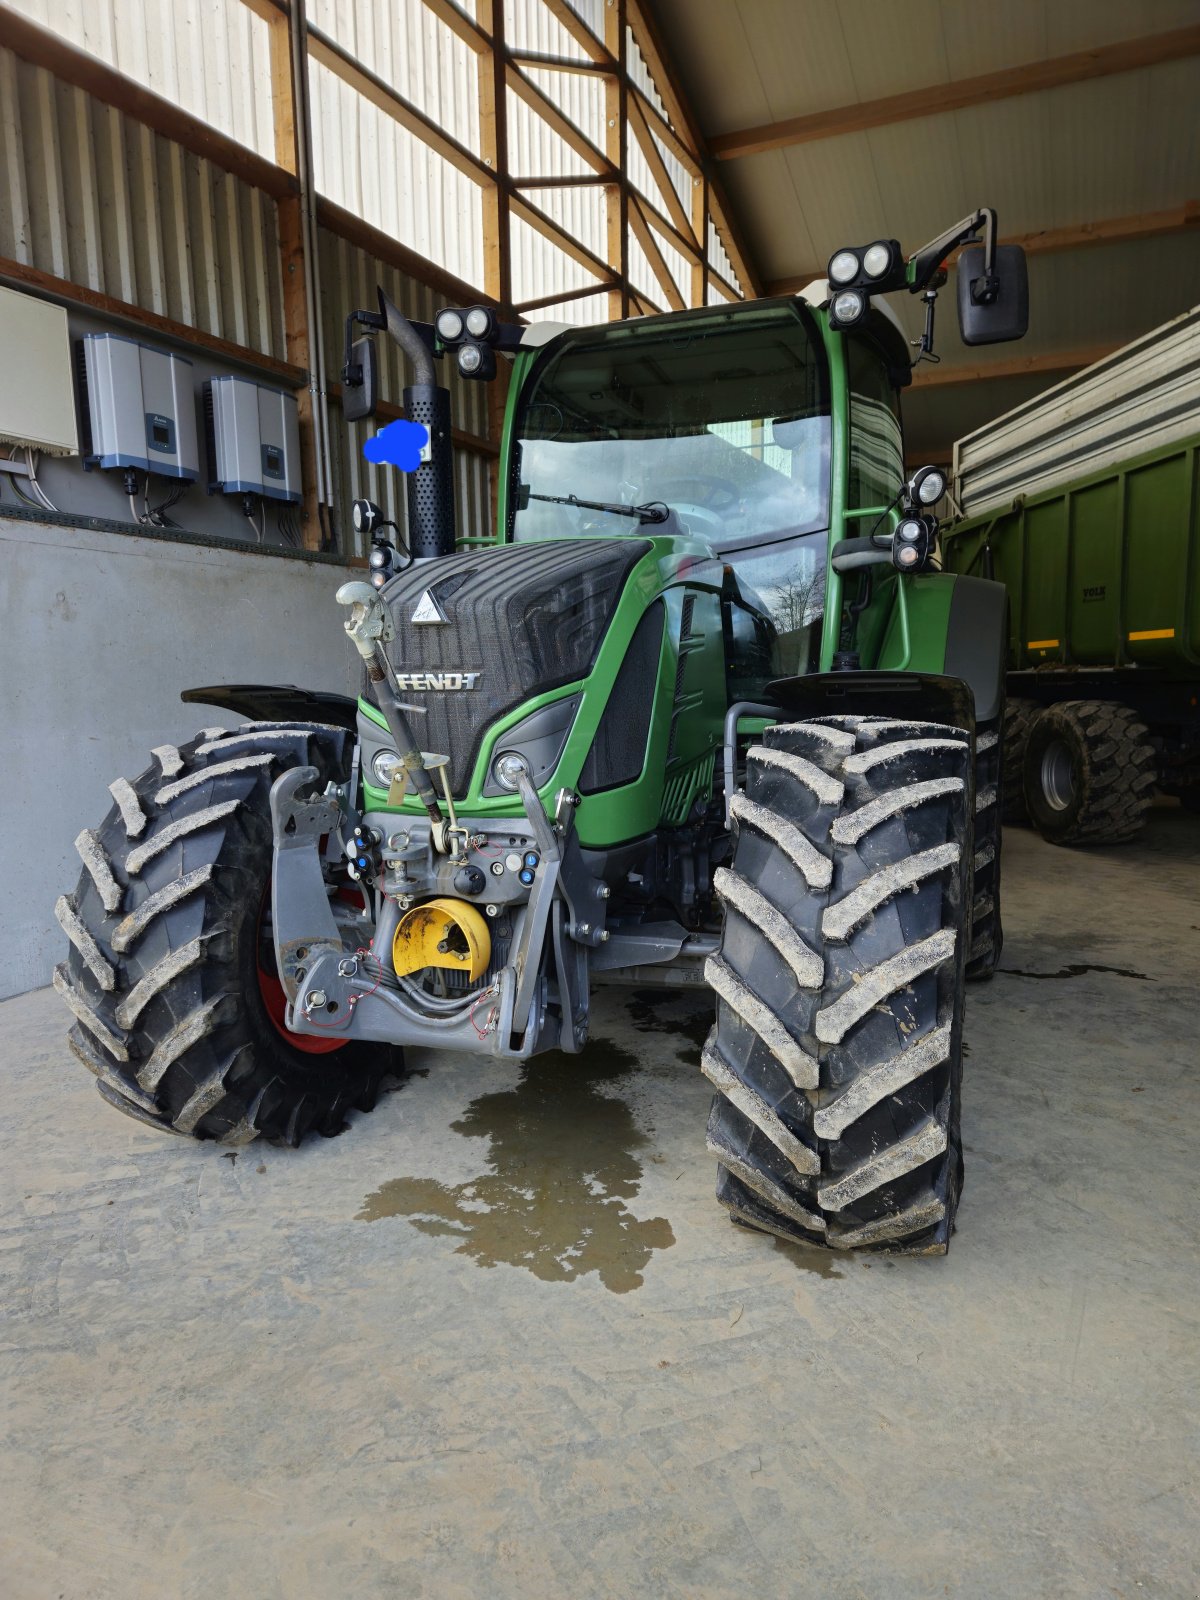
[(169, 969), (1090, 772), (836, 1054), (987, 930)]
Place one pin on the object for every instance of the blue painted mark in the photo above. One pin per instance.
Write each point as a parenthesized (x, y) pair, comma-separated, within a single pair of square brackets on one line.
[(398, 445)]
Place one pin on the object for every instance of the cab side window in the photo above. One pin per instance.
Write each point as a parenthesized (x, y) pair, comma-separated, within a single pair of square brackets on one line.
[(876, 443)]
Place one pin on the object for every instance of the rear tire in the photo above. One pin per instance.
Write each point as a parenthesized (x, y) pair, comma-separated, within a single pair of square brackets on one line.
[(1089, 774), (837, 1049), (165, 930), (1019, 717)]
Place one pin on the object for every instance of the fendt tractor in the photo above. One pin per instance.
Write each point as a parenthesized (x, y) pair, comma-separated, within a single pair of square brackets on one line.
[(705, 712)]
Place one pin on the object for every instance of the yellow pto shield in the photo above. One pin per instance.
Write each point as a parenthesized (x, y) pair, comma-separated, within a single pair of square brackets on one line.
[(442, 933)]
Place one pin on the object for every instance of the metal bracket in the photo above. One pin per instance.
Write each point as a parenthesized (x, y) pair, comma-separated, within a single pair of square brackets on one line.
[(303, 925)]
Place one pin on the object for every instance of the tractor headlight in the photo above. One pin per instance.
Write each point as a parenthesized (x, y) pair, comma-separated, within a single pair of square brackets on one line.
[(385, 765), (470, 359), (877, 258), (507, 769), (910, 530), (848, 308), (449, 325), (843, 267), (479, 322)]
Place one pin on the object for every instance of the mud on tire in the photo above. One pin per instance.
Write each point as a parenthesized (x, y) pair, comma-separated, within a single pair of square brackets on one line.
[(165, 926), (836, 1053), (987, 931)]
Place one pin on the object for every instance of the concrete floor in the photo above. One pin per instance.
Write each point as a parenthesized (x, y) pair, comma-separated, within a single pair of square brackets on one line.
[(498, 1340)]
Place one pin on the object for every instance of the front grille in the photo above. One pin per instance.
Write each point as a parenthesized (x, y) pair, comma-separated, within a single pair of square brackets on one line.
[(525, 617)]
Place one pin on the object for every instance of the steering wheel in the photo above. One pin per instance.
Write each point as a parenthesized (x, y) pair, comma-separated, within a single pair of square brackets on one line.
[(718, 493)]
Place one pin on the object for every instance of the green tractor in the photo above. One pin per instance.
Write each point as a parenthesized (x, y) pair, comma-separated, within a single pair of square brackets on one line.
[(706, 712)]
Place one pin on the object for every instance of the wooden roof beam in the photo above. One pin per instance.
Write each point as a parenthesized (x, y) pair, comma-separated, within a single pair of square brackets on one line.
[(1075, 236), (1127, 55), (929, 376)]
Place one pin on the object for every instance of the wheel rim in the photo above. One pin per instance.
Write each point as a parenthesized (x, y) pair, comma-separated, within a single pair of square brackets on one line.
[(275, 1001), (1058, 776)]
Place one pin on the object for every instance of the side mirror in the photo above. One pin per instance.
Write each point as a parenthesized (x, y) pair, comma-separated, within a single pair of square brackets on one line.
[(991, 311), (359, 398)]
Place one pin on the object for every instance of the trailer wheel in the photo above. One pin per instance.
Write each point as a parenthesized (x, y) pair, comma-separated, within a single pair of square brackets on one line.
[(170, 974), (1089, 773), (836, 1053), (1019, 717), (987, 932)]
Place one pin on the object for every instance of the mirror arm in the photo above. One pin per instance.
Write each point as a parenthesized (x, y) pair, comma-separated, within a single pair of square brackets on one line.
[(925, 262)]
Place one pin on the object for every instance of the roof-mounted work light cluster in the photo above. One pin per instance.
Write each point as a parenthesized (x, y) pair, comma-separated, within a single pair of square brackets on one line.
[(472, 335), (855, 274)]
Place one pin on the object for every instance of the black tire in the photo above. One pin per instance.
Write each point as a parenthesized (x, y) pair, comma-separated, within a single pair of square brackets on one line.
[(1019, 717), (987, 930), (837, 1050), (165, 928), (1090, 771)]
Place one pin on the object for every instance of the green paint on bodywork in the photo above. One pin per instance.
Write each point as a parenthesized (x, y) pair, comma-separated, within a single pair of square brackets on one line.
[(903, 626), (678, 764)]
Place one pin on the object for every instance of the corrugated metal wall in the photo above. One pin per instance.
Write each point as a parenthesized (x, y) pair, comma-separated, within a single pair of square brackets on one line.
[(92, 196), (211, 57)]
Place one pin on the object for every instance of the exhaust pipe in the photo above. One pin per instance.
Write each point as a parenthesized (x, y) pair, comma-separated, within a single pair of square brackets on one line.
[(431, 487)]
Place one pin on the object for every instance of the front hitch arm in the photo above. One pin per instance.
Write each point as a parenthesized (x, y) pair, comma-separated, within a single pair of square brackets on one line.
[(370, 628)]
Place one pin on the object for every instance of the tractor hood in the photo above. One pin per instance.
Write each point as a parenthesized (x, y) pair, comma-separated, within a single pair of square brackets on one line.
[(481, 632)]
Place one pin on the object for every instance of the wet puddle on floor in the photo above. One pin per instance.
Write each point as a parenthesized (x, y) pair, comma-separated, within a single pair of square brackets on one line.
[(562, 1161)]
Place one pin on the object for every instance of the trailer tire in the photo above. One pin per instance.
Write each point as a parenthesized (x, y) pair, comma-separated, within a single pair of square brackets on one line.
[(167, 973), (987, 930), (837, 1048), (1089, 773), (1019, 717)]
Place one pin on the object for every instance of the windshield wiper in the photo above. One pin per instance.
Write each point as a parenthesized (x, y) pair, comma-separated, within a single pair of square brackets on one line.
[(653, 511)]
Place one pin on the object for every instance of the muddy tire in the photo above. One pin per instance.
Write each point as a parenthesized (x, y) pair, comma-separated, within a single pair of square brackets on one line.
[(163, 975), (987, 931), (837, 1049), (1019, 717), (1089, 773)]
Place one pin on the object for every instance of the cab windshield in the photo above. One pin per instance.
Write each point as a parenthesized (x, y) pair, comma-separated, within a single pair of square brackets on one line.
[(721, 416)]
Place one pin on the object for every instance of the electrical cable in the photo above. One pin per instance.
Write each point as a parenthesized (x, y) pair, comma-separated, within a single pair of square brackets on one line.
[(43, 497)]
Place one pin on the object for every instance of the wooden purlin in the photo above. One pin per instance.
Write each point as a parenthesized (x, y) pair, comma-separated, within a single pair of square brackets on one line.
[(1126, 55), (945, 374), (1047, 241), (20, 274)]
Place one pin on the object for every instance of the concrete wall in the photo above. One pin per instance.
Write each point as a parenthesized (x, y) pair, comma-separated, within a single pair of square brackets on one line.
[(99, 633)]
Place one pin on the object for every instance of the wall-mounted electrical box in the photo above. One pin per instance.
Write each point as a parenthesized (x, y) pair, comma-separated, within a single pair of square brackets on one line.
[(37, 399), (139, 407), (253, 436)]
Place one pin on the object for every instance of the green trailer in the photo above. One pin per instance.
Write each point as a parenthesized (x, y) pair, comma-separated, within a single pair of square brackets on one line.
[(1085, 504)]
